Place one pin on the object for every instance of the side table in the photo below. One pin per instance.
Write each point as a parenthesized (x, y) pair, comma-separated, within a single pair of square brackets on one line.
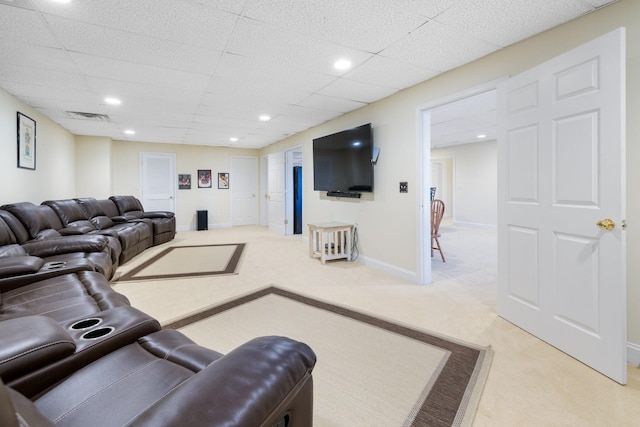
[(330, 240)]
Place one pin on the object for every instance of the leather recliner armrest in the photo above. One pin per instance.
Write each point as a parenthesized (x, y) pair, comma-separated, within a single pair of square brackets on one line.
[(253, 385), (30, 342), (76, 231), (19, 265), (64, 245), (159, 214)]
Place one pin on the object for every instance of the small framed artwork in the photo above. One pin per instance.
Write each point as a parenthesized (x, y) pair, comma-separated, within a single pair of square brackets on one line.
[(26, 142), (223, 180), (204, 178), (184, 181)]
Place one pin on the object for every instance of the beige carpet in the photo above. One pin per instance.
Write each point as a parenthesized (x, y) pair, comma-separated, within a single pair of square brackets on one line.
[(370, 372), (185, 261)]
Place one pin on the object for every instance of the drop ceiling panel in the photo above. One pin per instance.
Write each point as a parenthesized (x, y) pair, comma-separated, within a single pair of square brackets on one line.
[(517, 19), (330, 103), (24, 26), (388, 72), (362, 24), (356, 91), (280, 46), (139, 73), (149, 17), (438, 47), (123, 46), (39, 57)]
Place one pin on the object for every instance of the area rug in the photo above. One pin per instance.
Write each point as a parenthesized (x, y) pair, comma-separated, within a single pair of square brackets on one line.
[(370, 371), (186, 261)]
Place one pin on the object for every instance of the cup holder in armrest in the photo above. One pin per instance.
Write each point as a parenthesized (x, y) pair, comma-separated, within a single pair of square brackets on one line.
[(98, 333), (86, 323), (54, 265)]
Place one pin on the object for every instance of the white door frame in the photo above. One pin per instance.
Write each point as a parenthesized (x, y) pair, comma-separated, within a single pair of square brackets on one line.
[(423, 142)]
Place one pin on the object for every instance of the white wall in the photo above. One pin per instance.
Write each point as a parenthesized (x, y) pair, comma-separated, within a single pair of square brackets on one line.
[(125, 179), (54, 176), (475, 182)]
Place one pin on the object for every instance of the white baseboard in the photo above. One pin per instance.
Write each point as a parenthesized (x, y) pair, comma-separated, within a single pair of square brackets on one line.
[(388, 268), (195, 227), (633, 354)]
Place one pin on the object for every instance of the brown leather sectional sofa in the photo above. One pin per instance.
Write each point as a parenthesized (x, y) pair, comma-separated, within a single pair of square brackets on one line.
[(73, 352)]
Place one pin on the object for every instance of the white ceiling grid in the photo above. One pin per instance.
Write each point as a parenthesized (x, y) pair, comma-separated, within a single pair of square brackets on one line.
[(202, 71)]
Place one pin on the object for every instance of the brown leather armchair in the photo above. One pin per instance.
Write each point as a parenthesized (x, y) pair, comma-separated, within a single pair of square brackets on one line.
[(165, 380)]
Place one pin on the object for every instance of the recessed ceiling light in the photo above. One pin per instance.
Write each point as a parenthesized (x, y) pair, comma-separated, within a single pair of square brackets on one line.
[(61, 1), (342, 64), (130, 132), (112, 101), (482, 136), (265, 118), (233, 139)]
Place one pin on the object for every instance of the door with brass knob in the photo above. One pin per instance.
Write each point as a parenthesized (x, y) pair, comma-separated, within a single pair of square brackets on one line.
[(606, 224)]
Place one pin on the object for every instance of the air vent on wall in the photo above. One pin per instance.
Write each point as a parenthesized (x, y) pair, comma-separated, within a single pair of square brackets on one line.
[(89, 116)]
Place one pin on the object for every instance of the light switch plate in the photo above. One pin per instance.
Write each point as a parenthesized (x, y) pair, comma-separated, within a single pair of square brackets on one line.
[(404, 187)]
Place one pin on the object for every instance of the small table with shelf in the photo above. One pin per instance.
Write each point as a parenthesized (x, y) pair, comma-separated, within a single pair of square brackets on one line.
[(330, 240)]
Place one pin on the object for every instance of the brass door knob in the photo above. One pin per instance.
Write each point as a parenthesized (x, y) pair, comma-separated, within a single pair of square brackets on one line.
[(606, 224)]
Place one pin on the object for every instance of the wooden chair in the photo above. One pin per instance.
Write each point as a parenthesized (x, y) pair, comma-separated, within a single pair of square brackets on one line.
[(437, 211)]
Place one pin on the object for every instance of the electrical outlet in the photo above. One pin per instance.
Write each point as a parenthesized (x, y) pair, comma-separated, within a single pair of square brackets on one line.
[(404, 187)]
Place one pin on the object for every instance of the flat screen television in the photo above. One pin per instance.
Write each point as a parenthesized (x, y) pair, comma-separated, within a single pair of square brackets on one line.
[(342, 163)]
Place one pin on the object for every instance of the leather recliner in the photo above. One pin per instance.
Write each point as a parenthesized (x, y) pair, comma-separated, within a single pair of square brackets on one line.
[(164, 222), (24, 224), (165, 380)]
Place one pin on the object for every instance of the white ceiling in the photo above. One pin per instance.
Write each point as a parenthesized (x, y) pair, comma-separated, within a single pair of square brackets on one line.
[(202, 71)]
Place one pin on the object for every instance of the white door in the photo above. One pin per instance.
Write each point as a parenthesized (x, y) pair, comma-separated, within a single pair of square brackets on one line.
[(244, 190), (158, 181), (276, 187), (561, 171)]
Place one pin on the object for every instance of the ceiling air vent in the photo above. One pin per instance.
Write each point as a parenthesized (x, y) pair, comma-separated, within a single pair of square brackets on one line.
[(89, 116)]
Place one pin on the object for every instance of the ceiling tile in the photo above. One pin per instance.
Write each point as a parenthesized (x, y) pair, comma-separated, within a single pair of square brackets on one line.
[(330, 103), (149, 17), (361, 24), (356, 91), (388, 72), (503, 23), (122, 46), (438, 47), (24, 26)]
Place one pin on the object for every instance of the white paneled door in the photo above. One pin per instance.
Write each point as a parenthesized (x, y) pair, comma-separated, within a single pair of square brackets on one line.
[(276, 192), (244, 190), (158, 181), (561, 203)]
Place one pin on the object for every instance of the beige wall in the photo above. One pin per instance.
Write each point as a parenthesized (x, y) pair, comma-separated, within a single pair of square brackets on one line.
[(54, 176), (475, 182), (125, 157), (93, 167)]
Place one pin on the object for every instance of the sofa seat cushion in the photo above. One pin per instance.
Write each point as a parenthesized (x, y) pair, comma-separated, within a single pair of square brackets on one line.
[(62, 298)]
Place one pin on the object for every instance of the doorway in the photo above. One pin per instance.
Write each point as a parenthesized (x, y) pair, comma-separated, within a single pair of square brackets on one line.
[(448, 122)]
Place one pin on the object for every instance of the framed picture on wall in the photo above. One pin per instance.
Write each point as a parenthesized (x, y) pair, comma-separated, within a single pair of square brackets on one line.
[(204, 178), (26, 142), (223, 180), (184, 181)]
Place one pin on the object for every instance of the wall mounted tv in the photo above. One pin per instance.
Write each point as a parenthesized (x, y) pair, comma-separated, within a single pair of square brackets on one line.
[(342, 162)]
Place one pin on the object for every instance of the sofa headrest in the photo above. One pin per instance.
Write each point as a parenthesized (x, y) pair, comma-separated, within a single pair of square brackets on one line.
[(30, 216), (6, 235), (128, 205), (67, 210), (19, 231)]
